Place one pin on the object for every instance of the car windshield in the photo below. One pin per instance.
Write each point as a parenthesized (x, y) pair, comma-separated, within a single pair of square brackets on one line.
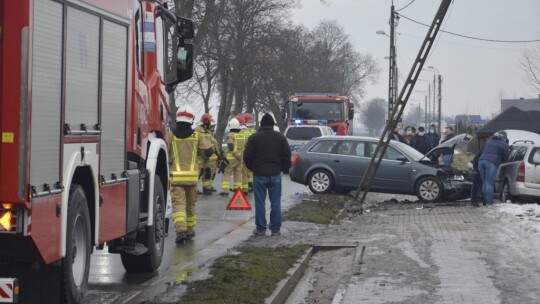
[(303, 133), (319, 110), (408, 150)]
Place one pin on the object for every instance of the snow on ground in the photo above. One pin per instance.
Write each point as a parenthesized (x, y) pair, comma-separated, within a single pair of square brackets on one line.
[(526, 217)]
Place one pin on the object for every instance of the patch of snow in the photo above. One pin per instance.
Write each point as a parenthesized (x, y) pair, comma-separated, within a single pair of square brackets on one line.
[(526, 217)]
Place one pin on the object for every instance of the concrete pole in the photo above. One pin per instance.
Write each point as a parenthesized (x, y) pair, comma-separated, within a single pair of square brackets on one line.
[(440, 100)]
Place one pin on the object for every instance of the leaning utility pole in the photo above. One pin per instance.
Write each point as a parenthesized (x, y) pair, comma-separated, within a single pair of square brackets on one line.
[(397, 110)]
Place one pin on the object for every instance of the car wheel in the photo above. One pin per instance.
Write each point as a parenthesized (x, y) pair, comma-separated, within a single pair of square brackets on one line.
[(429, 189), (506, 195), (320, 181)]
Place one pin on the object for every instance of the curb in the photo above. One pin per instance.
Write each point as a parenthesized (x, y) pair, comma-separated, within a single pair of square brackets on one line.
[(287, 285)]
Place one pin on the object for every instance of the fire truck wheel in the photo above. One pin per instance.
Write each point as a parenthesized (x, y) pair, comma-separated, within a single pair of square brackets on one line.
[(76, 264), (153, 237)]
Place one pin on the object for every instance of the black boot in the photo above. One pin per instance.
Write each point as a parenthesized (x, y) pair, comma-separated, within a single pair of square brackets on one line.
[(181, 237)]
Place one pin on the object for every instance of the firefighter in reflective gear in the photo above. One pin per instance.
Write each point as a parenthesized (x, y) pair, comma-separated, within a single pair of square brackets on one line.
[(246, 133), (186, 146), (249, 131), (205, 174), (235, 144), (212, 163)]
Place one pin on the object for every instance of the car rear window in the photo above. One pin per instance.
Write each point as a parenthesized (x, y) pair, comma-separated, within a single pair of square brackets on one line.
[(302, 133), (534, 158), (323, 146), (517, 153)]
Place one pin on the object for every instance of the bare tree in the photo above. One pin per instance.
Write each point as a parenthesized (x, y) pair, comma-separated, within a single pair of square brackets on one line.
[(373, 114), (415, 117), (530, 64)]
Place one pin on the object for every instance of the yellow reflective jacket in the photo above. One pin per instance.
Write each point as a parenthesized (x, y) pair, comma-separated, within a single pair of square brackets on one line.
[(185, 151), (239, 142)]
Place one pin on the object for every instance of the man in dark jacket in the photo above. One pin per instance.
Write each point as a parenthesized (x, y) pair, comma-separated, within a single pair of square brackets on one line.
[(420, 142), (495, 151), (267, 154)]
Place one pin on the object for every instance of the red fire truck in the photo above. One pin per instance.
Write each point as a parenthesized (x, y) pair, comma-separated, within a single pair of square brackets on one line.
[(84, 117), (320, 108)]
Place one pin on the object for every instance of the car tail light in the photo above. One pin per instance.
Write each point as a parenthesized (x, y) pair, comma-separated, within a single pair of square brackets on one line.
[(294, 159), (521, 173)]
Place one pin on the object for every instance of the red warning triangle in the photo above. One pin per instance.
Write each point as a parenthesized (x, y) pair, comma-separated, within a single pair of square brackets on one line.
[(239, 201)]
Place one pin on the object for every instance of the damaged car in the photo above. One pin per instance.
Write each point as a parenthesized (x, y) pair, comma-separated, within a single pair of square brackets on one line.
[(328, 164)]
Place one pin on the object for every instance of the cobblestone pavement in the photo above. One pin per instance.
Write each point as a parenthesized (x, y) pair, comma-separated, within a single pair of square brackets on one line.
[(445, 254)]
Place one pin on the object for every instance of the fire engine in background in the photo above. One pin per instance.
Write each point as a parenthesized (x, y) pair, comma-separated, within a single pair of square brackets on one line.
[(320, 108), (84, 117)]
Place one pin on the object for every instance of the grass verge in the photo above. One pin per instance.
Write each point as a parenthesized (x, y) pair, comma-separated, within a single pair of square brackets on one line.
[(315, 211), (249, 277)]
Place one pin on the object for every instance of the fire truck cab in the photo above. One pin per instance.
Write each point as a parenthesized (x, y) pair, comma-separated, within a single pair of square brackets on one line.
[(84, 117), (329, 109)]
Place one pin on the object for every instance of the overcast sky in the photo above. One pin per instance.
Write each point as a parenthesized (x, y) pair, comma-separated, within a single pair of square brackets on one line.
[(475, 73)]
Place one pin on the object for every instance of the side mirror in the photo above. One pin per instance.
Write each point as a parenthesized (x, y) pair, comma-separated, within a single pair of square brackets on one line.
[(351, 113), (186, 30), (402, 159)]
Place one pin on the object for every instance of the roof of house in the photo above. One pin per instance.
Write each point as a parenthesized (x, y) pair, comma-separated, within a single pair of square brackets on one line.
[(513, 118)]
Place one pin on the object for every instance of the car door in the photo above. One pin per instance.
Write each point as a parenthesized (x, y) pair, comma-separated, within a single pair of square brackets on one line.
[(532, 169), (349, 163), (393, 175)]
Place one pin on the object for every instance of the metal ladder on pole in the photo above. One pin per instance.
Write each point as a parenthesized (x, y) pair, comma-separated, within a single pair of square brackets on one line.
[(399, 105)]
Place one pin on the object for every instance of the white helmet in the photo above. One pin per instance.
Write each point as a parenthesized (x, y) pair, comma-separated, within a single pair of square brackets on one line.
[(185, 114), (234, 124)]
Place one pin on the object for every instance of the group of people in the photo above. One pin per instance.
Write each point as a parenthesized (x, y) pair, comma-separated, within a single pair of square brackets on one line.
[(423, 142), (254, 160)]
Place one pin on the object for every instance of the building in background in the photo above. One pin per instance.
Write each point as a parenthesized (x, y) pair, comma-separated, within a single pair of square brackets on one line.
[(532, 104)]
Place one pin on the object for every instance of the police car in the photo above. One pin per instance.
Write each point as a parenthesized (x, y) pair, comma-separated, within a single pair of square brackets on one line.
[(299, 135)]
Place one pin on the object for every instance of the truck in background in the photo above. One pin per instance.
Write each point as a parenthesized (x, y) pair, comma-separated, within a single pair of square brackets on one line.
[(329, 109), (84, 117)]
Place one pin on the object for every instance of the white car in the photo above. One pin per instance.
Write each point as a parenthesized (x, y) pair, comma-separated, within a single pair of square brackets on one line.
[(299, 135)]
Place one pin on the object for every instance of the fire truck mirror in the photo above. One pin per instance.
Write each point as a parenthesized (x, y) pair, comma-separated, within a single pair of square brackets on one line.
[(351, 113), (186, 30)]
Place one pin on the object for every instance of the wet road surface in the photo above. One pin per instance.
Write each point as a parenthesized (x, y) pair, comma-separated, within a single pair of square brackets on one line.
[(109, 283)]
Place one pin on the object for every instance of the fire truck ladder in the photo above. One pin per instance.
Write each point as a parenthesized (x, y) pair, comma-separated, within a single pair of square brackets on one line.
[(397, 111)]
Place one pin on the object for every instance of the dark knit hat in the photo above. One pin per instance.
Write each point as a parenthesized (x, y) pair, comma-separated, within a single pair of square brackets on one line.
[(267, 120)]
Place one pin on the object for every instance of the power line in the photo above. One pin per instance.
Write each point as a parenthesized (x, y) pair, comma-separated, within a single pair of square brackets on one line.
[(474, 38), (405, 6)]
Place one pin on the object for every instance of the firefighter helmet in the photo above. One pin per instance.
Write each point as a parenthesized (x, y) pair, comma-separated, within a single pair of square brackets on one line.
[(234, 124), (248, 119), (185, 114), (206, 118), (240, 119)]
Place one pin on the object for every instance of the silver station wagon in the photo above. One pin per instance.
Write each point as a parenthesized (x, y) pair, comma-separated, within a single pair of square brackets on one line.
[(338, 163)]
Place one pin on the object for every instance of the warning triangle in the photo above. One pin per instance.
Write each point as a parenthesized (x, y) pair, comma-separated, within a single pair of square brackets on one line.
[(239, 201)]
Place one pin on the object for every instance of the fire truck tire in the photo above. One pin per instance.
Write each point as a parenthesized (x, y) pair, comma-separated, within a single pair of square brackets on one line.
[(153, 237), (76, 263)]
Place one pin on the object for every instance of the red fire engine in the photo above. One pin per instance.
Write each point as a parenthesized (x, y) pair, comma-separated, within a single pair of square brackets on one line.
[(84, 117), (320, 108)]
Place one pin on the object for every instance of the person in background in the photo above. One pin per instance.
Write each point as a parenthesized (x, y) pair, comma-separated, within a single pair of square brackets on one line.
[(186, 145), (448, 154), (250, 131), (407, 135), (476, 181), (420, 141), (235, 144), (433, 137), (396, 136), (495, 152), (206, 173), (213, 160), (267, 154)]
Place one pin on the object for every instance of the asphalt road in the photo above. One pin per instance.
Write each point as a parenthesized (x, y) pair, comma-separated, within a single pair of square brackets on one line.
[(109, 283)]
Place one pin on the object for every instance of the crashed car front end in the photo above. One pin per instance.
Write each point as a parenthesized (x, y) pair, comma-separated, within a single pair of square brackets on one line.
[(456, 183)]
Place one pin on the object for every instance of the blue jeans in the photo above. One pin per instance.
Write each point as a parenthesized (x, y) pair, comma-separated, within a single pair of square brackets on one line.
[(476, 185), (272, 184), (447, 159), (488, 172)]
